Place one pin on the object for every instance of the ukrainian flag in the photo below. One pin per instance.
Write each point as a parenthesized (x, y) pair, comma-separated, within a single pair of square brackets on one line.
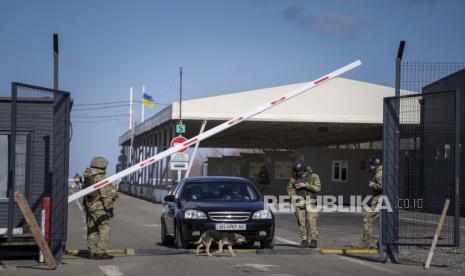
[(148, 100)]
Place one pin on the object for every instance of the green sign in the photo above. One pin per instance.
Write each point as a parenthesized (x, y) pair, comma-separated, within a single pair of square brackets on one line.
[(181, 128)]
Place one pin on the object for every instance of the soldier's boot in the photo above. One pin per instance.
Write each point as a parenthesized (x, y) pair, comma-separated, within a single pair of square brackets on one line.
[(313, 244), (364, 244), (303, 244), (106, 256), (95, 256)]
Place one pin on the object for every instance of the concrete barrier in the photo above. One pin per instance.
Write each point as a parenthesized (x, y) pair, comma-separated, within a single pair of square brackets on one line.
[(124, 187), (154, 194), (133, 190), (159, 194)]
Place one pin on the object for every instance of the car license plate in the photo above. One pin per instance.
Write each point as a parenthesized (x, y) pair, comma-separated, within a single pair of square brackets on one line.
[(229, 226)]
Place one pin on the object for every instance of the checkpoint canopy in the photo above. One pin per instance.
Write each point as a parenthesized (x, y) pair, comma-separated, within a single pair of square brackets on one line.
[(341, 111)]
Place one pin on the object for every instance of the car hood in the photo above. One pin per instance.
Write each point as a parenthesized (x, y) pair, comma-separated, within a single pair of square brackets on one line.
[(220, 205)]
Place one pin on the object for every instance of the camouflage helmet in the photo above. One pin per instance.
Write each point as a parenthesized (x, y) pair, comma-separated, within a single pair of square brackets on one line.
[(299, 167), (375, 161), (99, 163)]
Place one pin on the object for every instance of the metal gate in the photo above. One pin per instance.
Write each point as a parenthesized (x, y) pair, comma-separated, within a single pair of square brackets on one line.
[(421, 166), (41, 115)]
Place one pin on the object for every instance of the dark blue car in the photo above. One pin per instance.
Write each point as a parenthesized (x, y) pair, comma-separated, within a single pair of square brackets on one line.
[(232, 204)]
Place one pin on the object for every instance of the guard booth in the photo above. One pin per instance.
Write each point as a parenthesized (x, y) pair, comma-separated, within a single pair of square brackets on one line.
[(34, 160)]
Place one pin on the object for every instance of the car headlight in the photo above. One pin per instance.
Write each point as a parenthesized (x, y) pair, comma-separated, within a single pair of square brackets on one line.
[(262, 214), (194, 214)]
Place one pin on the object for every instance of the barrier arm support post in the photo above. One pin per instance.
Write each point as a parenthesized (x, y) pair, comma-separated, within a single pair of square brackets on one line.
[(202, 128), (35, 230), (437, 233)]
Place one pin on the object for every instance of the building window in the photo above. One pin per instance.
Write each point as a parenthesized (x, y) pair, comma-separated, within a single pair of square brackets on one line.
[(446, 151), (3, 165), (282, 169), (340, 170), (21, 163), (254, 169)]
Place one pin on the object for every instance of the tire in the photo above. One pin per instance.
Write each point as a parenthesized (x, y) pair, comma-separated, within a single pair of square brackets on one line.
[(180, 242), (165, 239), (267, 244), (250, 243)]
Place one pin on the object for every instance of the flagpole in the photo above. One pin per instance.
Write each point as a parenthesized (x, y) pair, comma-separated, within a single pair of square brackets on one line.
[(143, 108), (130, 107), (131, 122)]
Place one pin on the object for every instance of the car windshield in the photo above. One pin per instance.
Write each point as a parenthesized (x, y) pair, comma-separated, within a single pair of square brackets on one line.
[(216, 190)]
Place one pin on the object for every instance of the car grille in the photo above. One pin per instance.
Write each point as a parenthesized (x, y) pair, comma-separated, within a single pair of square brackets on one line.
[(229, 216)]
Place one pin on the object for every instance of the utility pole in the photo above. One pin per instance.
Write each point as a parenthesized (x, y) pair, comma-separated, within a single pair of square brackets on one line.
[(131, 123), (180, 95), (55, 61), (130, 107)]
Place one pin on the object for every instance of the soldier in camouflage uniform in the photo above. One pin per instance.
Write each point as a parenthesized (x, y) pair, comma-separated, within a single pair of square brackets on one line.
[(376, 185), (263, 181), (77, 181), (99, 210), (306, 184)]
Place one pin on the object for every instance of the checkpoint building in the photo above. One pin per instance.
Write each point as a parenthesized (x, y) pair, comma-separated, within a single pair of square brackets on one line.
[(335, 128)]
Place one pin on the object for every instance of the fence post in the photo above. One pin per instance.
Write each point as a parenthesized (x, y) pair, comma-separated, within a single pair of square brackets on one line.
[(12, 163), (457, 170), (382, 247), (392, 249)]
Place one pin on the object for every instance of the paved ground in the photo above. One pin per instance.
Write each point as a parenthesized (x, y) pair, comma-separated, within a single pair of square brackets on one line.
[(137, 226)]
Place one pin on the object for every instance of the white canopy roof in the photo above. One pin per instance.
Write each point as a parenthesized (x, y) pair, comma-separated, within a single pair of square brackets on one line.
[(337, 103)]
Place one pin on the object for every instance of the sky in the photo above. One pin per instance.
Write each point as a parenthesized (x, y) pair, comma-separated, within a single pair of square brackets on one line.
[(223, 46)]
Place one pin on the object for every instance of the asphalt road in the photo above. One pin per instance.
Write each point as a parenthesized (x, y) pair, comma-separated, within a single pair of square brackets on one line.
[(137, 226)]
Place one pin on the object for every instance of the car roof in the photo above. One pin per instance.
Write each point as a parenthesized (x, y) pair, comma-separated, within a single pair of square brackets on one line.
[(215, 178)]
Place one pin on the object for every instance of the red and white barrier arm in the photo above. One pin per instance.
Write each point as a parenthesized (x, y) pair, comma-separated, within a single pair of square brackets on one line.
[(236, 120)]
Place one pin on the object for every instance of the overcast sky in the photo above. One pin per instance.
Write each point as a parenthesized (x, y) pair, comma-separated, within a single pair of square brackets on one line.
[(224, 46)]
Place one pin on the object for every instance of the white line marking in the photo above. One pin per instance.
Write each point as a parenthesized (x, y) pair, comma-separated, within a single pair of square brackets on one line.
[(430, 222), (151, 225), (79, 205), (261, 267), (110, 270), (83, 216), (360, 262), (286, 241)]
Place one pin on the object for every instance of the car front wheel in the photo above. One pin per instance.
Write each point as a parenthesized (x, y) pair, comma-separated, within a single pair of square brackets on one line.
[(165, 239), (180, 241), (267, 244)]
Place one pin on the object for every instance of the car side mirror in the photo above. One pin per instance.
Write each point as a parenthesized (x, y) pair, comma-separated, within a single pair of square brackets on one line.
[(169, 198)]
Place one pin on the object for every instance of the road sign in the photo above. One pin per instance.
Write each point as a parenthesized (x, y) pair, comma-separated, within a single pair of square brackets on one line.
[(230, 123), (180, 128), (179, 166), (179, 140), (180, 157)]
